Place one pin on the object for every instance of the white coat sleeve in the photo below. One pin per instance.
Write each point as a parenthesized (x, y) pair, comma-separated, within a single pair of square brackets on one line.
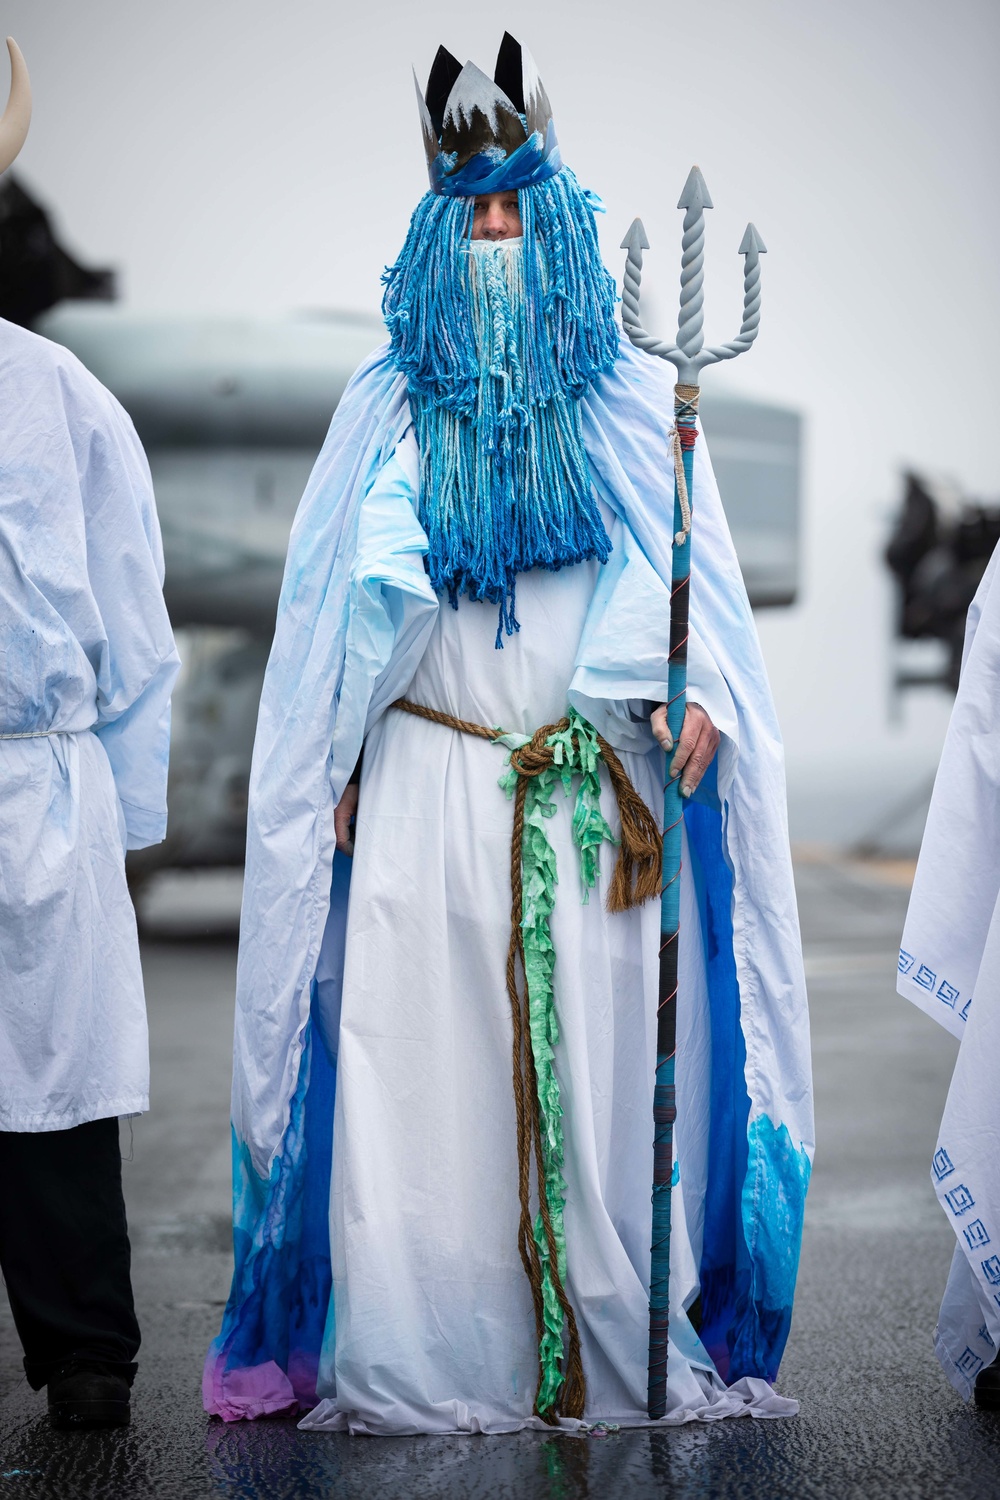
[(137, 660)]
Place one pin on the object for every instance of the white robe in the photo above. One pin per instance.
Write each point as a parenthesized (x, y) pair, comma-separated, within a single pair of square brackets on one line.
[(949, 965), (431, 1327), (357, 622), (87, 661)]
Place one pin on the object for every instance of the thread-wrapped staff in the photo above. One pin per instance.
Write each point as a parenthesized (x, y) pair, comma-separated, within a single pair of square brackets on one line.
[(690, 357)]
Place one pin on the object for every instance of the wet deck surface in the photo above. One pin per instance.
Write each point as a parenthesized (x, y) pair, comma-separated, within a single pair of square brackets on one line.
[(877, 1416)]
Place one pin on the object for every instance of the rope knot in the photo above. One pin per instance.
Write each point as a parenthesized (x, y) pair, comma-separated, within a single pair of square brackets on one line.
[(682, 437), (537, 756)]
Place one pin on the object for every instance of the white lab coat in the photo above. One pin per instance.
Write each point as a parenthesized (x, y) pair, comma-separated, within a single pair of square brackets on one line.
[(87, 661)]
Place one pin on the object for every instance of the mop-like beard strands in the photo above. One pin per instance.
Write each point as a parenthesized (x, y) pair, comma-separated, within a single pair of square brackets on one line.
[(498, 341)]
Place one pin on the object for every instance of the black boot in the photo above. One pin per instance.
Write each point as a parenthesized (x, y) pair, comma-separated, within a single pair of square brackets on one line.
[(987, 1391), (82, 1394)]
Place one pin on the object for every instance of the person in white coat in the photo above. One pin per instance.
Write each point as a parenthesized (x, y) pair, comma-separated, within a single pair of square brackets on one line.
[(87, 662), (949, 965)]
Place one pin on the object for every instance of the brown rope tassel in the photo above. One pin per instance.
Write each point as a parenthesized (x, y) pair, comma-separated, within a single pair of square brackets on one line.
[(638, 872), (636, 879)]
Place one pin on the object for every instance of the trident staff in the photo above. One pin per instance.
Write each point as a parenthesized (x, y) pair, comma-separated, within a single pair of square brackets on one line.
[(690, 357)]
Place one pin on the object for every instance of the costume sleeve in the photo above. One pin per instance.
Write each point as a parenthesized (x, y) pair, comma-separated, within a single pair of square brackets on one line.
[(136, 660), (621, 672), (392, 605)]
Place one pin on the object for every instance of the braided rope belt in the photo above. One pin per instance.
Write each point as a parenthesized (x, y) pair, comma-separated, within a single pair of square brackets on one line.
[(636, 879)]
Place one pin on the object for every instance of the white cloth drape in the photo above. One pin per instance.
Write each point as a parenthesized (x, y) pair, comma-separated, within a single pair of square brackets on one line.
[(86, 651), (949, 965)]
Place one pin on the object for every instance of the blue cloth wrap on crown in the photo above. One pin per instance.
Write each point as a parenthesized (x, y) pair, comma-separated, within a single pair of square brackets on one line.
[(533, 162)]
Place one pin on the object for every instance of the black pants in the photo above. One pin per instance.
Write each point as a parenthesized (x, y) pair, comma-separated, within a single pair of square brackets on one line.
[(64, 1249)]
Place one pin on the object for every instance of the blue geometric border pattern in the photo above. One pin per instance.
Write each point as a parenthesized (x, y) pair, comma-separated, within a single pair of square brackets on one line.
[(928, 979), (969, 1363), (964, 1347), (942, 1165), (960, 1200), (976, 1235)]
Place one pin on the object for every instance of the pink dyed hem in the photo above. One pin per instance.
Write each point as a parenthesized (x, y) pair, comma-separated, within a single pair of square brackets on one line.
[(243, 1395)]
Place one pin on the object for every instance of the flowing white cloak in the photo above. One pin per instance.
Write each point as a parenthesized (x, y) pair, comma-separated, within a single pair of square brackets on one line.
[(431, 1326), (87, 661), (949, 965)]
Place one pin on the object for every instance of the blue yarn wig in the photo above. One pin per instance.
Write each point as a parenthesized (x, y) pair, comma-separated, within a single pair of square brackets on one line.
[(498, 341)]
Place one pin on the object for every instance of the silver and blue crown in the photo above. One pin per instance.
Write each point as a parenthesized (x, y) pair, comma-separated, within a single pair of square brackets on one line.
[(487, 135)]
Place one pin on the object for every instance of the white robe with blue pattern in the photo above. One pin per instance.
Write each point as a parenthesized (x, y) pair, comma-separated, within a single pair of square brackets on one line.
[(949, 965)]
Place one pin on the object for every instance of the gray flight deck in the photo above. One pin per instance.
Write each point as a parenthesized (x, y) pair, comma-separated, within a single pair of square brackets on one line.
[(877, 1417)]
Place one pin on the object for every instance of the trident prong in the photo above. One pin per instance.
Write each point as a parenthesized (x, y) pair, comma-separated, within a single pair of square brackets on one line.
[(635, 242), (689, 354)]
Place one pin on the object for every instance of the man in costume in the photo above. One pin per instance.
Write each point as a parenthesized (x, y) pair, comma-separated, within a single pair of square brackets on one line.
[(88, 661), (949, 965), (477, 592)]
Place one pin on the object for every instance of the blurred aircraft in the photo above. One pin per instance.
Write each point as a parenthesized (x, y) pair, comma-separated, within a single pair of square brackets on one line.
[(940, 544), (232, 413), (938, 551)]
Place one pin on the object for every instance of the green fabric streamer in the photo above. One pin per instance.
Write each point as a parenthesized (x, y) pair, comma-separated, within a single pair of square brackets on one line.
[(576, 755)]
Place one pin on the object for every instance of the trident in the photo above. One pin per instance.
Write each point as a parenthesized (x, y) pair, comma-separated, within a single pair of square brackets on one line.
[(690, 358)]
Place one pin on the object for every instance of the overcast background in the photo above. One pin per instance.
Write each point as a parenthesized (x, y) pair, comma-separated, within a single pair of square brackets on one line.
[(251, 157)]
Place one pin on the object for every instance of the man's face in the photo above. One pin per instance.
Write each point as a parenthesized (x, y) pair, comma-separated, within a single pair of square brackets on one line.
[(496, 217)]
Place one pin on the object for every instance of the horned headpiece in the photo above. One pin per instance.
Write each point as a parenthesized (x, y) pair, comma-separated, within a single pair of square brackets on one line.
[(17, 116), (487, 135)]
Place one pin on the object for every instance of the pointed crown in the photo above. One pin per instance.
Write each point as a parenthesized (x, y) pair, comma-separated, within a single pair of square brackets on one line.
[(485, 135)]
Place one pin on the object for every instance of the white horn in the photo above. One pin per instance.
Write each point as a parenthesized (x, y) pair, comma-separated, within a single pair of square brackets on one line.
[(17, 116)]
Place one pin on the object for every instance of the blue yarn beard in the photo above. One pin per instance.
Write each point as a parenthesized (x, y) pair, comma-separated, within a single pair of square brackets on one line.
[(499, 340)]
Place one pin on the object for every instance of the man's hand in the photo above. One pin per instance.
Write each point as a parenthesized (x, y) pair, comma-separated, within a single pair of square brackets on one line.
[(346, 808), (698, 743)]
